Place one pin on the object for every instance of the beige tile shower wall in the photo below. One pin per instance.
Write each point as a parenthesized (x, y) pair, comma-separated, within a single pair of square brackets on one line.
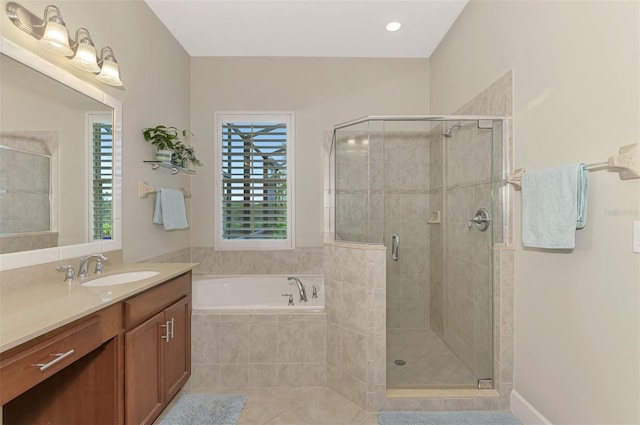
[(467, 251), (461, 291), (355, 290), (436, 237), (258, 350), (352, 185), (497, 99), (297, 261), (503, 318)]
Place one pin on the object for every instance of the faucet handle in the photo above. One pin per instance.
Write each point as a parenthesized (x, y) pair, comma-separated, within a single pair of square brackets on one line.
[(290, 298), (99, 266), (70, 274), (314, 293)]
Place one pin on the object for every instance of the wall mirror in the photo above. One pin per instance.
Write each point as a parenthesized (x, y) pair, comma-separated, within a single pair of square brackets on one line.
[(60, 163)]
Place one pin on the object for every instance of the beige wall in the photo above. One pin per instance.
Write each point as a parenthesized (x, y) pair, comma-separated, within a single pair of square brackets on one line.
[(155, 70), (320, 91), (576, 92)]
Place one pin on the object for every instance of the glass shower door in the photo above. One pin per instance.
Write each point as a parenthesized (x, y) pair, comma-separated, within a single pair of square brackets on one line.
[(439, 298)]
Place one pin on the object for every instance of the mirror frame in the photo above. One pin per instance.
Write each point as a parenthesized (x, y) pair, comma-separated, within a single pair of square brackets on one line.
[(16, 260)]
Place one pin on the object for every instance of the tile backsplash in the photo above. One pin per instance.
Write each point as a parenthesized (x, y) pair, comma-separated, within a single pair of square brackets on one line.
[(306, 260)]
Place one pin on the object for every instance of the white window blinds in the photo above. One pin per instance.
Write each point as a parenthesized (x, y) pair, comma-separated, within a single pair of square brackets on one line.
[(102, 180), (255, 182)]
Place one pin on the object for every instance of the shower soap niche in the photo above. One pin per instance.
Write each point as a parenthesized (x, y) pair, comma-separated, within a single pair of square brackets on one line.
[(434, 218)]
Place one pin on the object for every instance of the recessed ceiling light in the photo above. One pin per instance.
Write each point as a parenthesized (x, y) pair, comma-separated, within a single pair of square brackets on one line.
[(393, 26)]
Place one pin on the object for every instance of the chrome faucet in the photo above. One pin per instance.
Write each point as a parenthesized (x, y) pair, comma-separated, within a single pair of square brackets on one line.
[(84, 263), (303, 291)]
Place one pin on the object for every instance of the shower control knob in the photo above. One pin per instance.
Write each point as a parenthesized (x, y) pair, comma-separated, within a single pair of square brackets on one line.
[(481, 220)]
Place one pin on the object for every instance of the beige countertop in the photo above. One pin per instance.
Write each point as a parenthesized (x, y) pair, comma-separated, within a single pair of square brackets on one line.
[(35, 309)]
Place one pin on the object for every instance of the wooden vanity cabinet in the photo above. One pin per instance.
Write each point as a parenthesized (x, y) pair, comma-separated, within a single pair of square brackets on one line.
[(158, 350), (68, 376), (177, 365), (129, 360)]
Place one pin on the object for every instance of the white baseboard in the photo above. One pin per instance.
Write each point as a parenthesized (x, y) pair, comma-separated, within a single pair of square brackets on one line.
[(525, 412)]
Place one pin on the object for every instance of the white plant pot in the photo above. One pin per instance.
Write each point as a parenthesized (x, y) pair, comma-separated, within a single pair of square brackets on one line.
[(164, 155)]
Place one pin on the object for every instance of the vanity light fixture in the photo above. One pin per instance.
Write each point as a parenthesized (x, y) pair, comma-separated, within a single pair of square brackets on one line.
[(85, 56), (393, 26), (110, 72), (51, 33), (55, 38)]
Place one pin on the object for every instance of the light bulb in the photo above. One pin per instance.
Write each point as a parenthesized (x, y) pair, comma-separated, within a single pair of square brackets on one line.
[(393, 26), (85, 57), (56, 38), (110, 72)]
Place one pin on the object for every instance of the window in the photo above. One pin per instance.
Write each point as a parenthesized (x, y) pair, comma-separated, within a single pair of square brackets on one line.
[(254, 181), (101, 169)]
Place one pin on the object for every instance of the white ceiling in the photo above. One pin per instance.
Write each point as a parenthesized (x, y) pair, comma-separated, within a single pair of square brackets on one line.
[(320, 28)]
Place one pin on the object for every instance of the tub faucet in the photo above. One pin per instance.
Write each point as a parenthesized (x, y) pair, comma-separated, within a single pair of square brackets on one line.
[(84, 264), (303, 291)]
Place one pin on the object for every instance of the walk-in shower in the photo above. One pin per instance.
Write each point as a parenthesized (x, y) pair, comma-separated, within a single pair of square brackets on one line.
[(428, 189)]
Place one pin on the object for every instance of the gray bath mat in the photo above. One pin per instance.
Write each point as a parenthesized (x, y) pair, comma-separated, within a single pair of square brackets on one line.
[(206, 409), (447, 418)]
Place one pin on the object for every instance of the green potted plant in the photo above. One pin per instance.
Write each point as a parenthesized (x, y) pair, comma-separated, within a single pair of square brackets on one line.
[(183, 154), (168, 145)]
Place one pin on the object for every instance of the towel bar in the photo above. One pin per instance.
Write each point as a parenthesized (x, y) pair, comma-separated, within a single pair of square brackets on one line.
[(144, 189), (626, 164)]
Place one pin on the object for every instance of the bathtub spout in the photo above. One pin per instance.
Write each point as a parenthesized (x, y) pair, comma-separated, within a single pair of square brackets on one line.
[(303, 291)]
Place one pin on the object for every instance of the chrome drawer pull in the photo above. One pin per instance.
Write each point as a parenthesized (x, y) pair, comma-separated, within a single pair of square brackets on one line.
[(167, 336), (172, 327), (59, 358)]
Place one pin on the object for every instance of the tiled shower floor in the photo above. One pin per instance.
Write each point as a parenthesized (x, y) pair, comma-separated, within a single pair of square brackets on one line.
[(429, 363)]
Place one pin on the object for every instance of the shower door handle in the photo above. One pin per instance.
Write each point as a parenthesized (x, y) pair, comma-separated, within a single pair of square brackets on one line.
[(395, 240)]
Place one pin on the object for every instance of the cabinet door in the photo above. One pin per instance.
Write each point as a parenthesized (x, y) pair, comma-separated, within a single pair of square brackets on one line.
[(143, 371), (178, 349)]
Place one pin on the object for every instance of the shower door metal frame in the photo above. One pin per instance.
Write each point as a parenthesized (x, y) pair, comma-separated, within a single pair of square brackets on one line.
[(418, 118)]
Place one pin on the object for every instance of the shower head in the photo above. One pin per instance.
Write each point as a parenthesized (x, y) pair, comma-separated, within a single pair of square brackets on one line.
[(447, 132)]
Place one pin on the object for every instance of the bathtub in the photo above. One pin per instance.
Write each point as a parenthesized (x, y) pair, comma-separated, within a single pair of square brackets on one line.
[(229, 293)]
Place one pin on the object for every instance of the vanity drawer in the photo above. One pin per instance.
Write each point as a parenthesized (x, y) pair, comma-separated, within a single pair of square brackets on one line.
[(142, 306), (27, 368)]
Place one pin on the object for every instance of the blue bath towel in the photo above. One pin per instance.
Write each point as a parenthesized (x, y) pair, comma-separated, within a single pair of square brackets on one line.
[(554, 205), (170, 209)]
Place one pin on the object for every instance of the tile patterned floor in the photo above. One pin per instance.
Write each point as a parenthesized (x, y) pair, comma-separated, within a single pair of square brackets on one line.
[(297, 406), (430, 364)]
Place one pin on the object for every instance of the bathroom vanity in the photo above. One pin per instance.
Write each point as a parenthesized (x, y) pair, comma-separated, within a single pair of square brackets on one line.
[(95, 355)]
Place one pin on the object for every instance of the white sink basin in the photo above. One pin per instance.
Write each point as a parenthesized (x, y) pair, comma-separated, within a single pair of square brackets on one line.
[(121, 278)]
